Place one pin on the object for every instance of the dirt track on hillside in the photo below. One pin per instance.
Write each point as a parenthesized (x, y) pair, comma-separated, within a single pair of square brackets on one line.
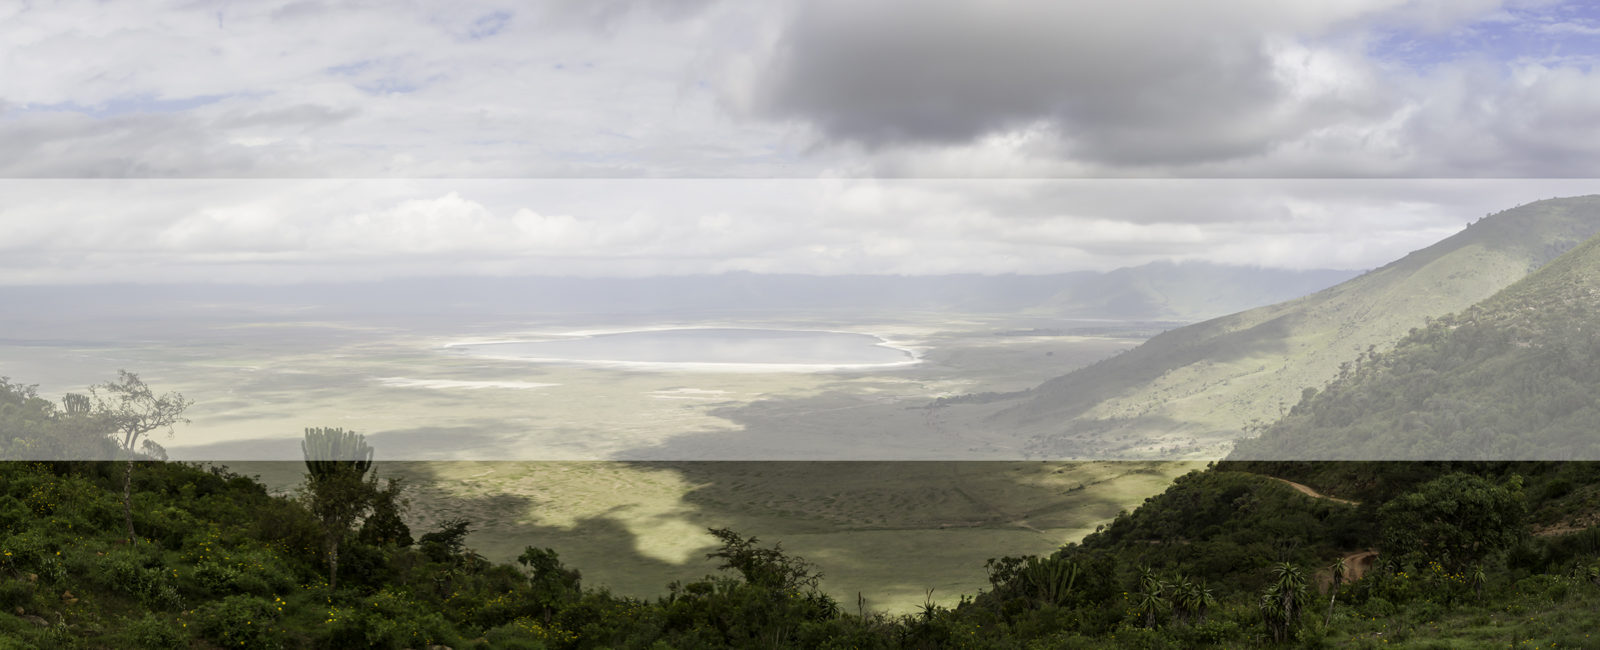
[(1306, 490)]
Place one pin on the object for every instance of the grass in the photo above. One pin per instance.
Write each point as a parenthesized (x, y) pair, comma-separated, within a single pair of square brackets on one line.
[(1209, 380), (888, 531), (1564, 622)]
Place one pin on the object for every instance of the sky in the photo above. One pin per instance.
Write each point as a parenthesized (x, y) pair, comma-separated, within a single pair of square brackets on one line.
[(280, 141)]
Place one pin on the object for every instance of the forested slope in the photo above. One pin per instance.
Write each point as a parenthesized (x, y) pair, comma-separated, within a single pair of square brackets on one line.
[(1512, 378), (1208, 380)]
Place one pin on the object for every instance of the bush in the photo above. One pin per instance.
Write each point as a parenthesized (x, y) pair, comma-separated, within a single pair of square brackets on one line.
[(388, 620), (153, 518), (527, 634), (241, 622), (242, 571), (448, 542), (155, 633), (1378, 607), (1550, 587), (16, 593), (288, 526), (13, 643), (1212, 632), (131, 573)]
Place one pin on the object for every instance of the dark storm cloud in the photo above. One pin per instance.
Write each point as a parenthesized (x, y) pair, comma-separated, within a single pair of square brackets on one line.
[(1127, 86)]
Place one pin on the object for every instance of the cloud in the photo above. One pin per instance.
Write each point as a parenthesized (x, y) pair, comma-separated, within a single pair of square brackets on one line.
[(1120, 84), (1219, 89), (291, 230), (699, 88), (304, 89)]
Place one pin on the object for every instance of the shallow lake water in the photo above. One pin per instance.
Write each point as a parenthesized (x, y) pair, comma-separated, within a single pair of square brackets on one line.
[(720, 346)]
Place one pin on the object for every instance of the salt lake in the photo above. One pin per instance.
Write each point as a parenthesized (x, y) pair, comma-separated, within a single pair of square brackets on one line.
[(723, 348)]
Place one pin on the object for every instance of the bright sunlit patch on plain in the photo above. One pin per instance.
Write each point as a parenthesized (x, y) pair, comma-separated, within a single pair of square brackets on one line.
[(711, 349), (407, 382)]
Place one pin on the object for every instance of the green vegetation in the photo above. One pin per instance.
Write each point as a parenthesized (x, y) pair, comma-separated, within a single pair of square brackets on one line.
[(1511, 378), (1223, 558), (886, 531), (1204, 383), (337, 491), (130, 410), (1458, 554)]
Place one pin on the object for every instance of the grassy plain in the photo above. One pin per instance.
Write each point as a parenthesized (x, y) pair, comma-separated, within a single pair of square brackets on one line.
[(610, 466), (888, 531)]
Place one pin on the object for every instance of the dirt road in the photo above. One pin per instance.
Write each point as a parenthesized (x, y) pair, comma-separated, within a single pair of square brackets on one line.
[(1306, 490)]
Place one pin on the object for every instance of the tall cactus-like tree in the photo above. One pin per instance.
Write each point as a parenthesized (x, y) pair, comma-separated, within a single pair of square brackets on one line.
[(76, 404), (1050, 581), (334, 450), (338, 490)]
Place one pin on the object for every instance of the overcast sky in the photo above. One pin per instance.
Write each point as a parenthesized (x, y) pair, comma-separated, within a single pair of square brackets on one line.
[(274, 141)]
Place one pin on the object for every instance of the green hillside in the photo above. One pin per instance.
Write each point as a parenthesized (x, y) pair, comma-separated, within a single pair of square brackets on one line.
[(1192, 389), (1514, 377)]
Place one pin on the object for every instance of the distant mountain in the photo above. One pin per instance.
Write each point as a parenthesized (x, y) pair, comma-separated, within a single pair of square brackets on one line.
[(1512, 378), (1201, 384), (1191, 291), (1153, 292)]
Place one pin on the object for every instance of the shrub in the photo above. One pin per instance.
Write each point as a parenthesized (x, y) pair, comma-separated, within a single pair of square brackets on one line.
[(241, 622), (388, 620), (527, 634), (155, 633), (446, 543), (128, 572), (243, 571), (16, 593), (1378, 607)]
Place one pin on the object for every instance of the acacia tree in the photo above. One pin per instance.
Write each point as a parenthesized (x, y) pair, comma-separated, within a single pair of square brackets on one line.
[(337, 490), (130, 410)]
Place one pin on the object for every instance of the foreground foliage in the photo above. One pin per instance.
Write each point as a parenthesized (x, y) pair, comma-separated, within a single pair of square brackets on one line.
[(1223, 559), (1227, 557)]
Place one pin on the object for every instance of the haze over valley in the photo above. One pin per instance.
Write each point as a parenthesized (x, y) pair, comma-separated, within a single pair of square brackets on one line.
[(999, 325)]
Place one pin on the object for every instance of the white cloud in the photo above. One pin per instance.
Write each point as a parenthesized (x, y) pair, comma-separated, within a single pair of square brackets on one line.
[(955, 98), (317, 229), (696, 88)]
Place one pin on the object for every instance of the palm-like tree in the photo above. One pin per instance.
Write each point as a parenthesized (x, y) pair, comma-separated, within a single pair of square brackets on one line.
[(1148, 604), (1338, 569), (1204, 599), (1151, 598), (1183, 598), (1283, 600), (1477, 579), (1273, 614), (1291, 584)]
